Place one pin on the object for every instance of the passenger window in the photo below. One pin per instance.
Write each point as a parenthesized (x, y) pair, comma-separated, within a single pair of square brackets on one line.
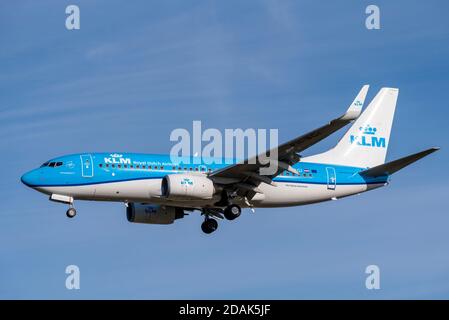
[(162, 167), (119, 166), (100, 165), (113, 165)]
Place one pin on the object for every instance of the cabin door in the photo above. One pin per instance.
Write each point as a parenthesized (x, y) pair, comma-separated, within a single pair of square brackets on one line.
[(331, 178), (87, 166)]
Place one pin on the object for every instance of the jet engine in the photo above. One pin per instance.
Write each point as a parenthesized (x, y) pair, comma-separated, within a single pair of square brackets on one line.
[(187, 187), (152, 214)]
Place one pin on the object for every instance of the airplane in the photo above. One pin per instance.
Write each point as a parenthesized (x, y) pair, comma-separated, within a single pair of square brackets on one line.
[(155, 190)]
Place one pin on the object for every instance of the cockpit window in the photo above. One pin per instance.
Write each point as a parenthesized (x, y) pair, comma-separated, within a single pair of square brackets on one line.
[(52, 164)]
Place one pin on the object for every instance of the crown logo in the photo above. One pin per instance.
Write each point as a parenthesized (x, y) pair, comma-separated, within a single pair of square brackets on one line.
[(357, 103), (116, 155), (368, 129)]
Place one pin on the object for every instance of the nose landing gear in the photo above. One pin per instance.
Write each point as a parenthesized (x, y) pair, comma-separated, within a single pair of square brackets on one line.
[(71, 212)]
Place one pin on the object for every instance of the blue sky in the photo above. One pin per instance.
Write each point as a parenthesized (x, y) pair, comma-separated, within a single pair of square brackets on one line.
[(134, 73)]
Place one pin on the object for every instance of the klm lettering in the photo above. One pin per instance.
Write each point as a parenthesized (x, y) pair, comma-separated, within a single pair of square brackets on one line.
[(368, 138), (368, 141), (117, 161)]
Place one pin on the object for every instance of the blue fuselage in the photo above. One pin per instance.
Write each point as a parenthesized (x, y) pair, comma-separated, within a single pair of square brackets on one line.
[(102, 168)]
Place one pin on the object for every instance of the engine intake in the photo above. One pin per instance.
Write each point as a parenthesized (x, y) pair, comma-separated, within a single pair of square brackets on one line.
[(187, 187), (152, 214)]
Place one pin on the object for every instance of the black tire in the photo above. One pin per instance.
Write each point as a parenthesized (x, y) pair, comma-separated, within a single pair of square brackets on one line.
[(71, 213), (232, 212), (209, 226)]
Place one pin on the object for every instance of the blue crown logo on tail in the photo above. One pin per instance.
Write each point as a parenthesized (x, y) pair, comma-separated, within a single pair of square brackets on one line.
[(368, 129)]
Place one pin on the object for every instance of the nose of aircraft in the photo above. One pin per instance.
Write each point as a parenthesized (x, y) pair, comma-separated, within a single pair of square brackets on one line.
[(30, 178)]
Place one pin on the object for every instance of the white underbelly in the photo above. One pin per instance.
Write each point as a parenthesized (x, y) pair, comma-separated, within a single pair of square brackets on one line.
[(292, 194), (134, 190), (145, 190), (149, 190)]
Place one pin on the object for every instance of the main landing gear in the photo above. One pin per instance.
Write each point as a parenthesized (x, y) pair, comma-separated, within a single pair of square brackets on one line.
[(209, 225), (71, 212), (232, 212)]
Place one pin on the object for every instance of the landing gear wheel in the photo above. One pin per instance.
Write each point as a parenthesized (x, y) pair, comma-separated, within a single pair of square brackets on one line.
[(232, 212), (71, 213), (209, 225)]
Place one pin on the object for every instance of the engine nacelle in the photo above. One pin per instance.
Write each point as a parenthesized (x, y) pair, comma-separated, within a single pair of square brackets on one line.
[(152, 214), (187, 187)]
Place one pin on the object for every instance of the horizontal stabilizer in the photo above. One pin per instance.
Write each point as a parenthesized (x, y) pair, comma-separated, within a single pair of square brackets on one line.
[(396, 165)]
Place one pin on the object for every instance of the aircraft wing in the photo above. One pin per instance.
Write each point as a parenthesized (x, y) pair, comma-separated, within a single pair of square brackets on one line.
[(249, 169)]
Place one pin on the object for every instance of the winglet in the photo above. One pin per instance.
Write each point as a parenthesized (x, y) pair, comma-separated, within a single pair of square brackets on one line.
[(355, 109)]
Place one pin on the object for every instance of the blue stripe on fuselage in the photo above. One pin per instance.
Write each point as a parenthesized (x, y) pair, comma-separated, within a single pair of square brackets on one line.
[(71, 173)]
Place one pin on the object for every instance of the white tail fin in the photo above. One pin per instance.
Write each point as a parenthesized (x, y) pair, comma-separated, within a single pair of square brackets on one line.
[(366, 142)]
